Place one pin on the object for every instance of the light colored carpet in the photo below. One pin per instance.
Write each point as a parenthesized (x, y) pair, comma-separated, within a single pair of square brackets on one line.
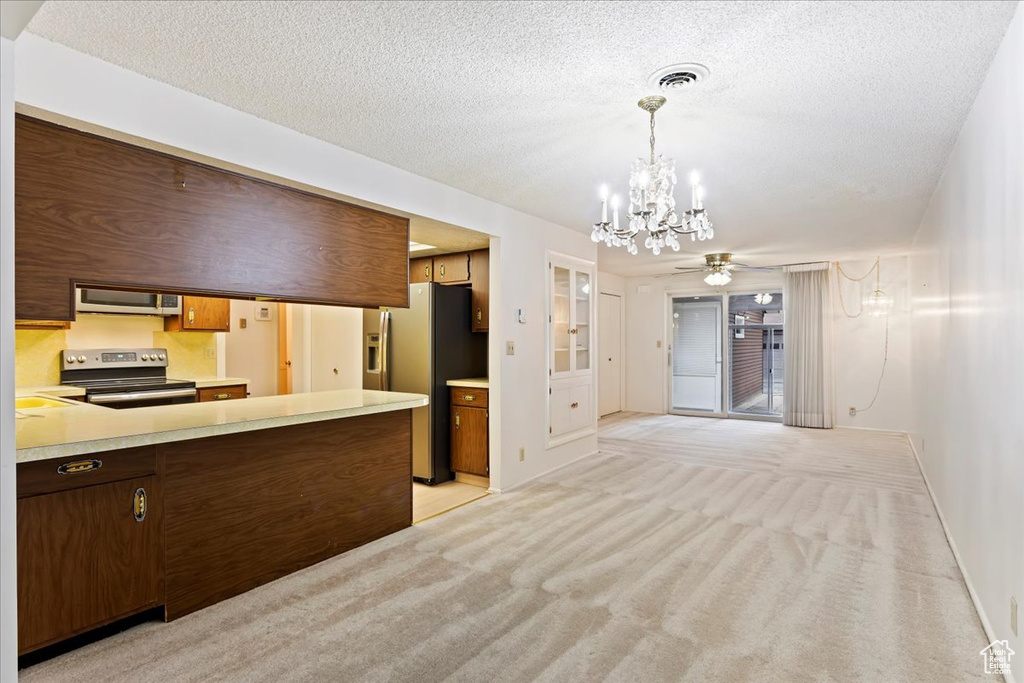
[(689, 549)]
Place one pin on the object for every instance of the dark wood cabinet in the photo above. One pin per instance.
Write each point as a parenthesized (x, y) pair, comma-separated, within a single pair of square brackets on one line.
[(201, 314), (101, 212), (480, 282), (469, 431), (421, 270), (87, 556), (452, 268), (222, 393)]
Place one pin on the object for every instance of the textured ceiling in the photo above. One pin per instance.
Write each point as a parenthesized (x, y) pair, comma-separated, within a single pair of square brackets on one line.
[(821, 131)]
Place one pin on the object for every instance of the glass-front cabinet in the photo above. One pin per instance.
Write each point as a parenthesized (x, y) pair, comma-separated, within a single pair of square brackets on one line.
[(569, 319), (570, 345)]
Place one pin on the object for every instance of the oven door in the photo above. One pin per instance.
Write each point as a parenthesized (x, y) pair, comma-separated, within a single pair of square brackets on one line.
[(142, 399)]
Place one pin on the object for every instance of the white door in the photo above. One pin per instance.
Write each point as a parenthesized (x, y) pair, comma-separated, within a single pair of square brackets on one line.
[(696, 355), (335, 348), (610, 334)]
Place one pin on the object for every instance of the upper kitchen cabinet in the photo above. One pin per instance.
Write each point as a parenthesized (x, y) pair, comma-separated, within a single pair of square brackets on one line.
[(480, 279), (421, 270), (95, 211), (201, 314), (451, 268)]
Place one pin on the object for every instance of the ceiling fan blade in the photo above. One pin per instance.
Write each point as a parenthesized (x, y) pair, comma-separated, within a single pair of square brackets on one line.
[(689, 270), (761, 269)]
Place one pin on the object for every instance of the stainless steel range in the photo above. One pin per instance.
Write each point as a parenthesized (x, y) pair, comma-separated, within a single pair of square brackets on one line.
[(124, 378)]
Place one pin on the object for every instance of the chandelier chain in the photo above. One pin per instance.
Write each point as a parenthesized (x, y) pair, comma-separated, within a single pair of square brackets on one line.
[(652, 137)]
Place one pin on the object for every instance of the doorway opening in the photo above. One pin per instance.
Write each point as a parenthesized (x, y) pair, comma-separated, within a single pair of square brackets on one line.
[(756, 344), (695, 356)]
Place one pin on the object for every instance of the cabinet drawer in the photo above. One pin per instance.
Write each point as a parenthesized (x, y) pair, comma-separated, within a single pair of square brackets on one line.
[(62, 474), (222, 393), (461, 396)]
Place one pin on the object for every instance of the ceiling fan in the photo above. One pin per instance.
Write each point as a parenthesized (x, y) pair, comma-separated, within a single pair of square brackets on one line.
[(718, 267)]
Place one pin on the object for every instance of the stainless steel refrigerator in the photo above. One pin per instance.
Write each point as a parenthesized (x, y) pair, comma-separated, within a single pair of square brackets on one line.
[(418, 349)]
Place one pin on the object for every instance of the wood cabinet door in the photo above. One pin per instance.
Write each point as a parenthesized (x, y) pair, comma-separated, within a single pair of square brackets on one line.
[(451, 268), (480, 279), (205, 314), (85, 559), (421, 270), (469, 440)]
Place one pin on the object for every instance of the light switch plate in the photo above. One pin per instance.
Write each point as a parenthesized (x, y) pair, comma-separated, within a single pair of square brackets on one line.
[(1013, 615), (510, 348)]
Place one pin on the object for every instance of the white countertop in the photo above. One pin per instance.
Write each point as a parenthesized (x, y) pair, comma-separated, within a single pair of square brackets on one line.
[(208, 382), (60, 390), (473, 383), (78, 430)]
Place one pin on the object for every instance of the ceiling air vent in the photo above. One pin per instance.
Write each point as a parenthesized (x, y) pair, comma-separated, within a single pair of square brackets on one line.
[(678, 76)]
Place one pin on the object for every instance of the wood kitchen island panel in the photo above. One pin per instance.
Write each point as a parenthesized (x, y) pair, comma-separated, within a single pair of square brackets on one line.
[(244, 509), (96, 211)]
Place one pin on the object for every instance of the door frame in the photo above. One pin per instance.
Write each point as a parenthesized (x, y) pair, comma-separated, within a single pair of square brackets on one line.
[(723, 299), (622, 348)]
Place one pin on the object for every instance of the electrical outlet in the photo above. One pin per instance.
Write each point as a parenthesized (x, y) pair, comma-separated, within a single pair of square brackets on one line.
[(853, 411), (210, 352), (510, 348), (522, 457), (1013, 600)]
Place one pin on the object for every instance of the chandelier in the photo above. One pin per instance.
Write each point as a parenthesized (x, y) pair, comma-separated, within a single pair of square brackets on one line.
[(652, 206)]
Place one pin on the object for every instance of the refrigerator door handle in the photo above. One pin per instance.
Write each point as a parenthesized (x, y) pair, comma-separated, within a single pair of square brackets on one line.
[(385, 351)]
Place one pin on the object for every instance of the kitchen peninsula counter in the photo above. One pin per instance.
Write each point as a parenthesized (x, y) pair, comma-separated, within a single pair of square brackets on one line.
[(81, 430)]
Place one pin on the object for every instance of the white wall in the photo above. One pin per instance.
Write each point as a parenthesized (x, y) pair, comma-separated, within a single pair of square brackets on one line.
[(860, 348), (967, 338), (8, 530), (251, 352), (57, 79)]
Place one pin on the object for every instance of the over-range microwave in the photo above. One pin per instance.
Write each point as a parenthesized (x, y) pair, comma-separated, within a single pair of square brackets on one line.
[(88, 300)]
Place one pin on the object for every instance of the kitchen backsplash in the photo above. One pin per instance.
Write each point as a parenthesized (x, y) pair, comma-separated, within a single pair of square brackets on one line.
[(36, 352)]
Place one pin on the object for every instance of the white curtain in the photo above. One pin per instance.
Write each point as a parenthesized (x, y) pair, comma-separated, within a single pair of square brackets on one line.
[(809, 375)]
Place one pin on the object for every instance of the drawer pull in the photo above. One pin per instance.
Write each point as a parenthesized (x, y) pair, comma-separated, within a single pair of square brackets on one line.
[(468, 397), (221, 397), (79, 466), (140, 504)]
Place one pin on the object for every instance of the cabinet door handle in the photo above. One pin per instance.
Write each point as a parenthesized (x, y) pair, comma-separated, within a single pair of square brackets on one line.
[(221, 397), (79, 466), (479, 315), (140, 504), (468, 397), (440, 271), (191, 315), (458, 421), (426, 271)]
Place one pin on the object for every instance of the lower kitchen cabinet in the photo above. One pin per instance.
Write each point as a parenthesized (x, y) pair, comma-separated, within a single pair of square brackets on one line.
[(571, 409), (87, 556), (469, 431), (222, 393)]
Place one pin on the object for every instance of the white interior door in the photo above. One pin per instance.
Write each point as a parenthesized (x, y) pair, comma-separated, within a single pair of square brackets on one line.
[(696, 365), (335, 348), (609, 347)]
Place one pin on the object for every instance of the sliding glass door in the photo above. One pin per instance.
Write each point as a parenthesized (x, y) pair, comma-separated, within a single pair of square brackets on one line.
[(696, 355), (756, 340)]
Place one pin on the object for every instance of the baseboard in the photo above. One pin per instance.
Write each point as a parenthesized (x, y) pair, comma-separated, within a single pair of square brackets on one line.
[(985, 624), (872, 429), (542, 474)]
